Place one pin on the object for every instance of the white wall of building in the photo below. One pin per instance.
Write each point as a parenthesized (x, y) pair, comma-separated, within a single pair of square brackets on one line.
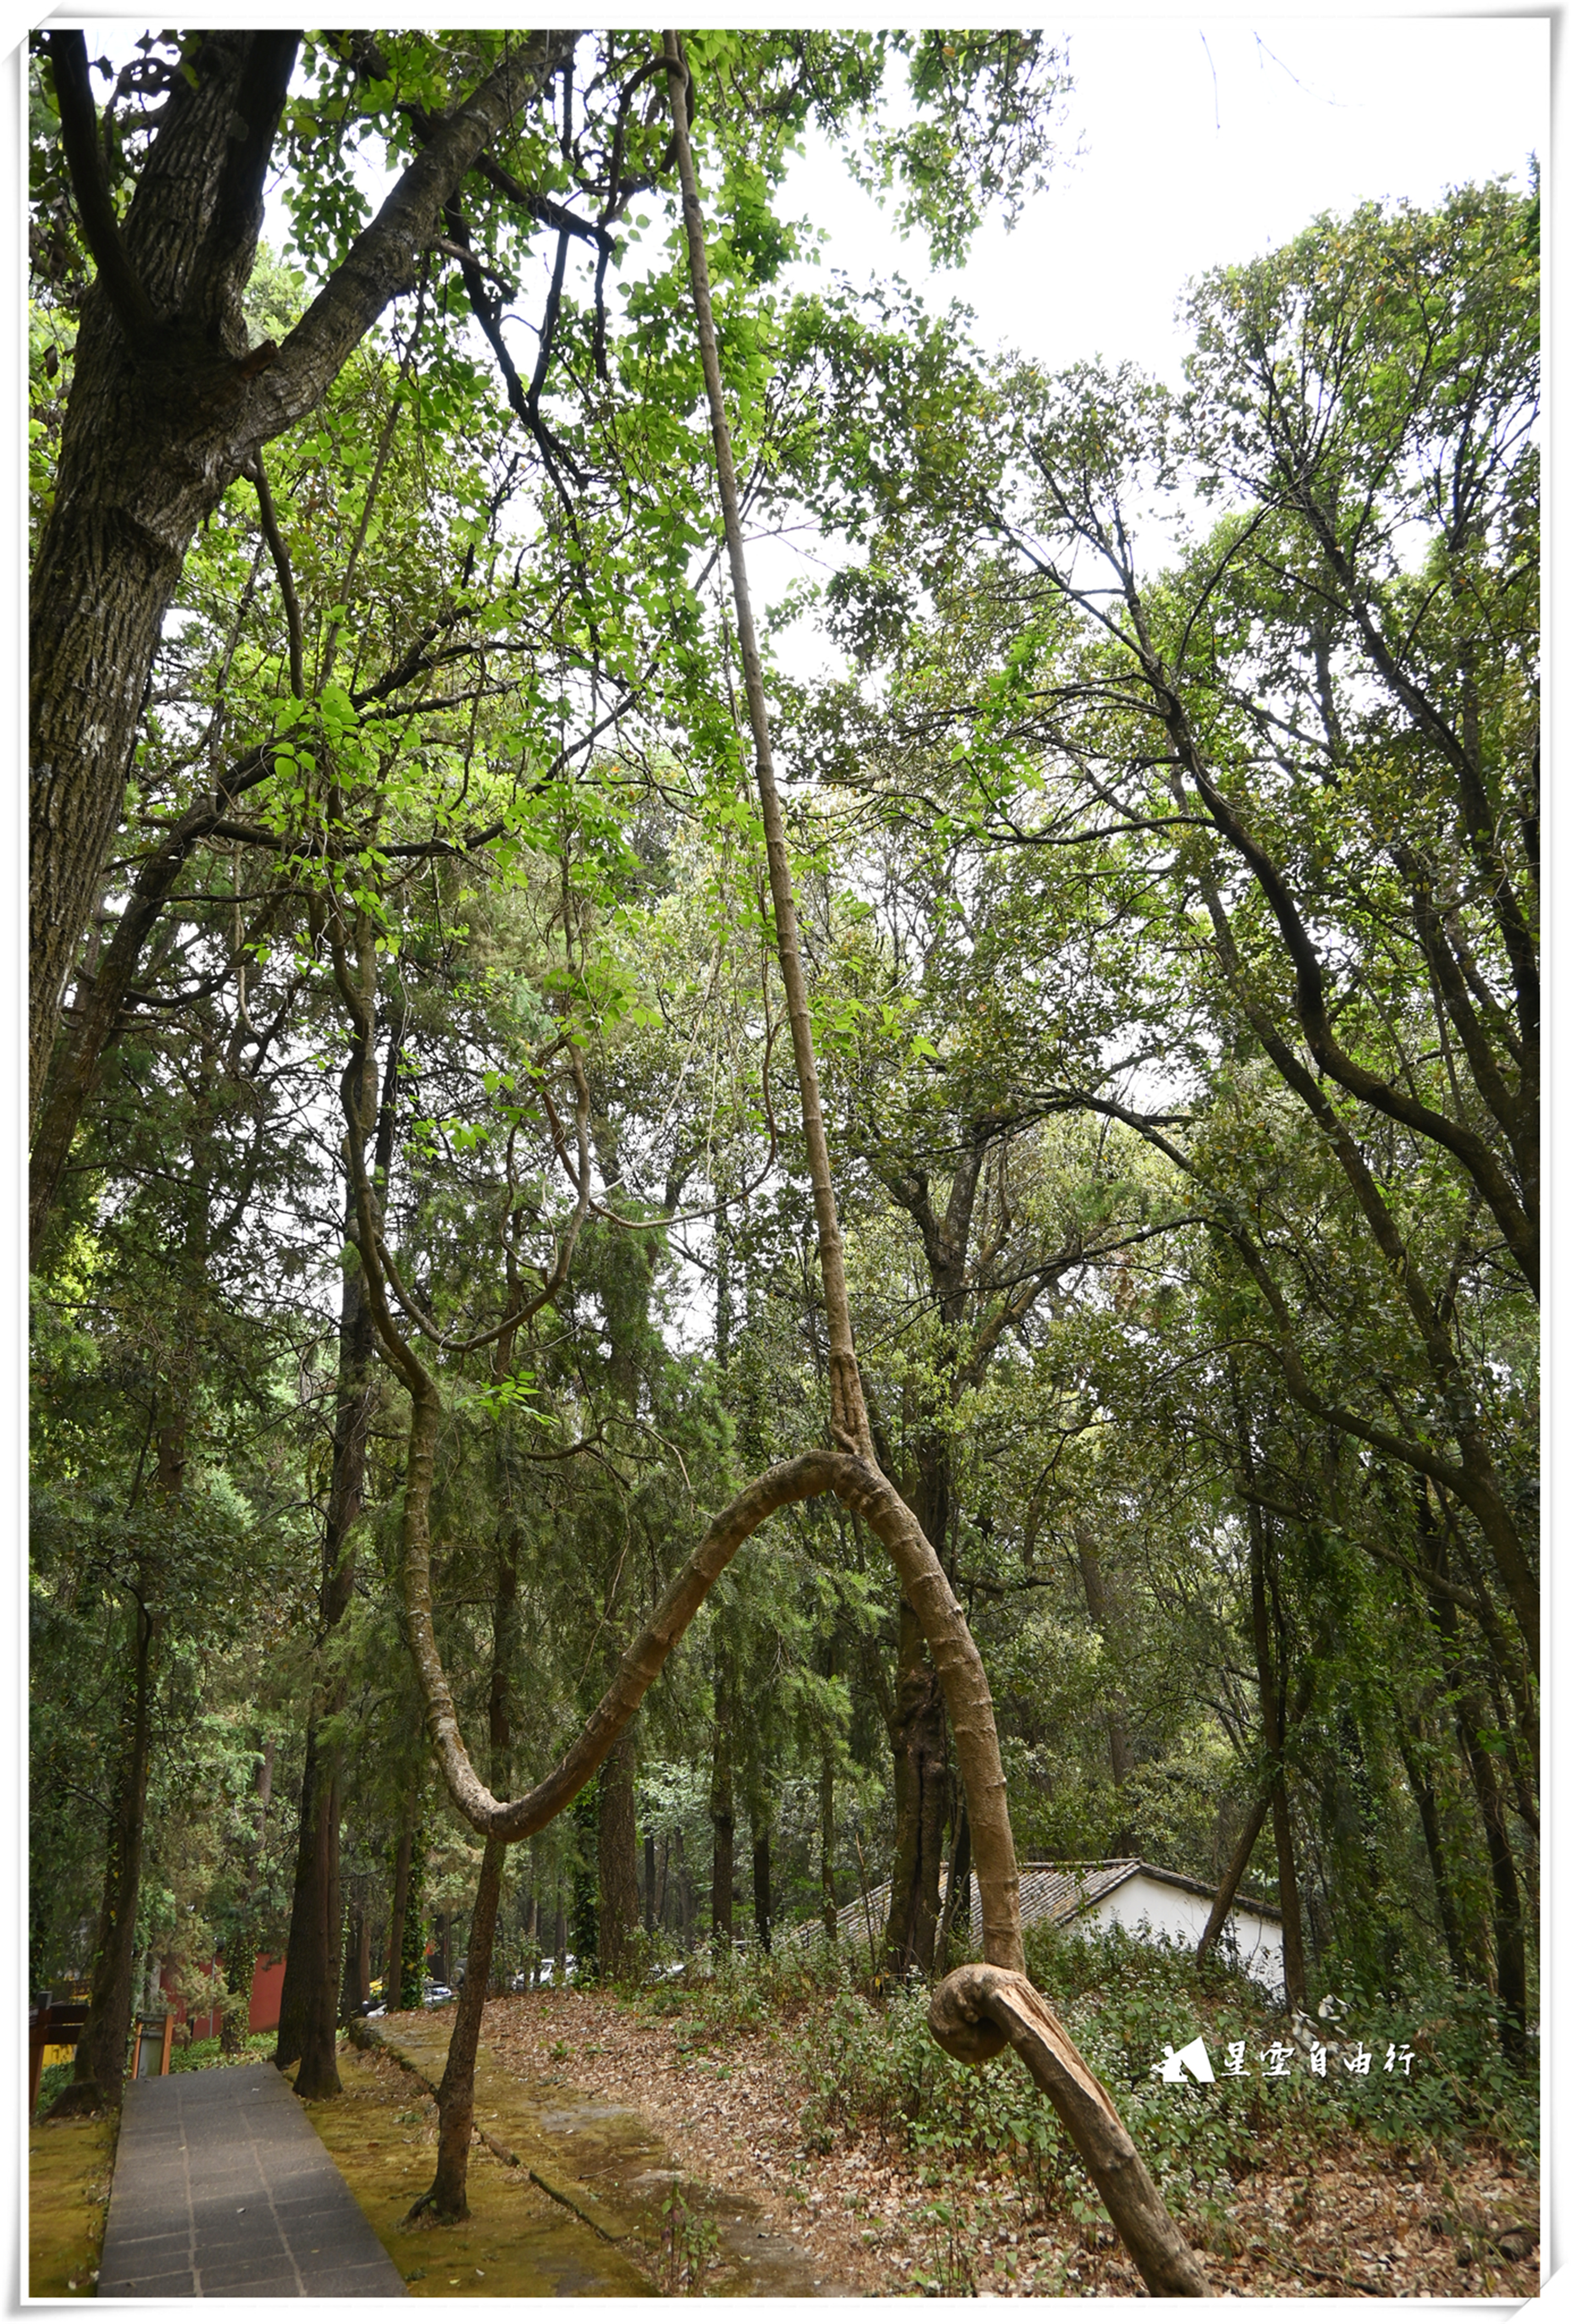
[(1178, 1914)]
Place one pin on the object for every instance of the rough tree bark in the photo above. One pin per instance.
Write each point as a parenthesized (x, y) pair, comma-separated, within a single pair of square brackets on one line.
[(920, 1740), (169, 405), (616, 1859), (974, 2014), (308, 2011), (307, 2018), (99, 2069)]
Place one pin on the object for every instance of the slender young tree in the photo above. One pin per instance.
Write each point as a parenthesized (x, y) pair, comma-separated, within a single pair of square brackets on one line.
[(979, 2010)]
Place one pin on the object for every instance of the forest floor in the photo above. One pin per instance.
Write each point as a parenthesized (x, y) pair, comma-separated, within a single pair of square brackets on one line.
[(1368, 2219), (70, 2166)]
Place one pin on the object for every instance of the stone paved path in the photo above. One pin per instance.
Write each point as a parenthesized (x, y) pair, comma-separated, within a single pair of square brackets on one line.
[(223, 2190)]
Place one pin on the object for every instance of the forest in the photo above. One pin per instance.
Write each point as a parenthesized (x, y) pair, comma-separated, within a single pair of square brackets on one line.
[(665, 1291)]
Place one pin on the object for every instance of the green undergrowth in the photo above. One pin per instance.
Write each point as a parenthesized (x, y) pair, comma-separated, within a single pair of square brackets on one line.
[(52, 2081), (874, 2071), (195, 2055)]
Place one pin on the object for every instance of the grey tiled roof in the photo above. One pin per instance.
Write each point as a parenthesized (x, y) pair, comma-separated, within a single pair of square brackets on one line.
[(1047, 1892)]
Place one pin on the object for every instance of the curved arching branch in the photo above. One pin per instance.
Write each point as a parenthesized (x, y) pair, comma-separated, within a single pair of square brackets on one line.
[(862, 1489), (978, 2010), (981, 2007)]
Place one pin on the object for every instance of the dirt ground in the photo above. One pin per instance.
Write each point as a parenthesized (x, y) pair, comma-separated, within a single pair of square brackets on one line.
[(1368, 2222)]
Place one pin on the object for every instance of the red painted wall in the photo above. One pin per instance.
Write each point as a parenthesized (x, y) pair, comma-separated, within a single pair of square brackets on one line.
[(266, 1992)]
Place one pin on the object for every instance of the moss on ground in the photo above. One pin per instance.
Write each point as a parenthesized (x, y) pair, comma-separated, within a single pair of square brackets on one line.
[(70, 2166), (516, 2244)]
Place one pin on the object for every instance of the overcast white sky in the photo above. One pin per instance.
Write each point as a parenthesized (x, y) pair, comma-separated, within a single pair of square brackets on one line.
[(1205, 141), (1191, 143)]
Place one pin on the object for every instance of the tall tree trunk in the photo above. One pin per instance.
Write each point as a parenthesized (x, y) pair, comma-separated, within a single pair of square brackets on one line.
[(684, 1896), (1255, 1823), (723, 1799), (649, 1904), (1423, 1790), (101, 2053), (1271, 1722), (1272, 1719), (132, 487), (239, 1974), (308, 2006), (392, 1982), (1233, 1878), (1098, 1608), (626, 1290), (1474, 1725), (448, 2194), (308, 2022), (956, 1888), (357, 1955), (1510, 1935), (616, 1858), (977, 2011), (240, 1949), (760, 1896), (828, 1906), (921, 1799), (104, 986), (100, 2060)]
